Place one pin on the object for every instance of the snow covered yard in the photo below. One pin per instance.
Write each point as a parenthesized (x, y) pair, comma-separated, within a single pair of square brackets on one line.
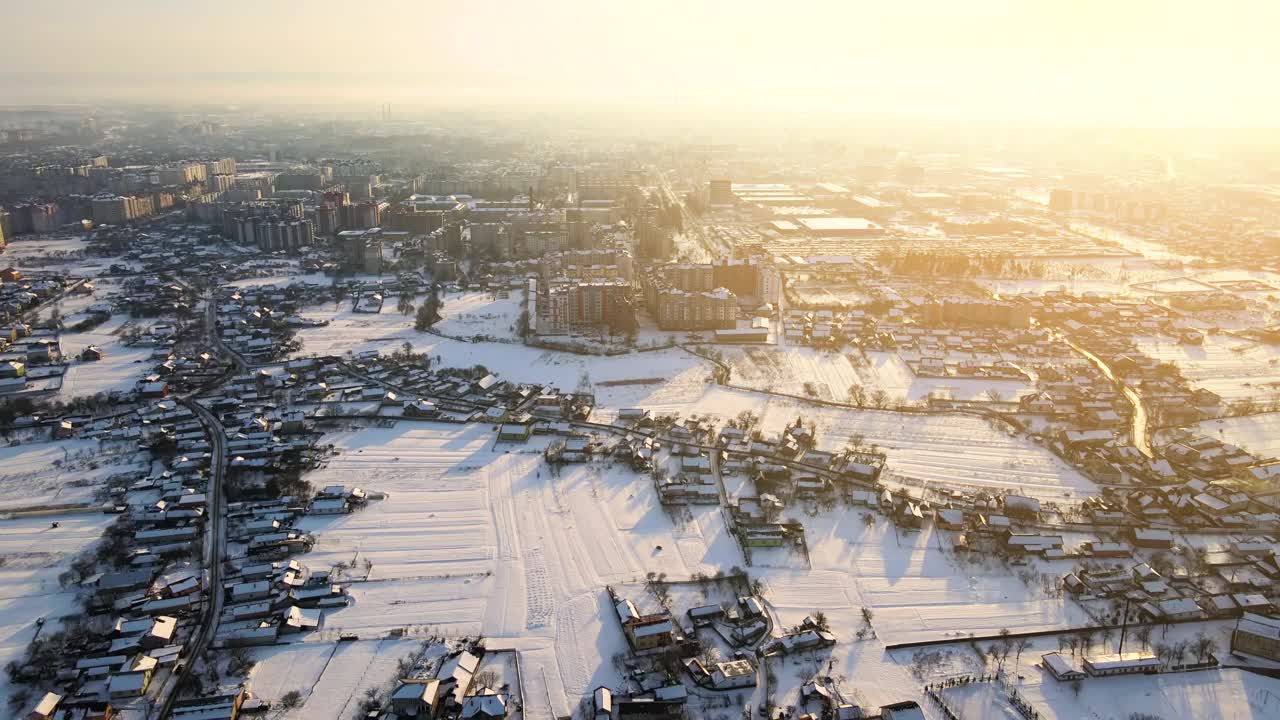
[(62, 472), (330, 677), (32, 555)]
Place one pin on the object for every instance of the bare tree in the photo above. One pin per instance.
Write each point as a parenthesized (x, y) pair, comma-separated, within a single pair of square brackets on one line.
[(1020, 645)]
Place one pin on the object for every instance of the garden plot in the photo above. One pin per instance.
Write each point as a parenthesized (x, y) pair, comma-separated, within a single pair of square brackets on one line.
[(118, 371), (828, 375), (33, 554), (920, 590), (68, 472), (1258, 434), (410, 555), (1233, 368), (331, 677), (475, 537)]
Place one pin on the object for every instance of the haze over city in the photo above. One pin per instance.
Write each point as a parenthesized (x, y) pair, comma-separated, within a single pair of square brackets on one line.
[(580, 360), (1142, 62)]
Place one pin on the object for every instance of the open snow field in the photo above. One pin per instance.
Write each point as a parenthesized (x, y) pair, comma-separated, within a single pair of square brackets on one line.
[(830, 375), (920, 589), (1233, 368), (41, 474), (119, 370), (1225, 693), (356, 332), (473, 538), (32, 555), (331, 677), (1258, 434), (479, 313)]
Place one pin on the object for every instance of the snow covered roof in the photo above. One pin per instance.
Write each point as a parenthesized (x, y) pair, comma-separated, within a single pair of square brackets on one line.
[(1260, 626)]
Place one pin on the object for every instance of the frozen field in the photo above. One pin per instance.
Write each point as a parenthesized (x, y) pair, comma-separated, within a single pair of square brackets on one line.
[(831, 374), (473, 538)]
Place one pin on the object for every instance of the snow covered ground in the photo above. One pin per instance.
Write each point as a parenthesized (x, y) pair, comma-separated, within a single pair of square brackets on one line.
[(63, 472), (933, 449), (331, 677), (119, 370), (830, 374), (479, 313), (475, 537), (1205, 694), (1258, 434), (355, 332), (1231, 367), (920, 589), (32, 555)]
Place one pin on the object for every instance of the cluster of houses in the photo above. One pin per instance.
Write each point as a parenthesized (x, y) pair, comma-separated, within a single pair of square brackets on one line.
[(257, 323), (152, 296), (451, 692), (973, 352), (826, 327), (20, 293), (143, 595), (267, 599), (1228, 580), (27, 354)]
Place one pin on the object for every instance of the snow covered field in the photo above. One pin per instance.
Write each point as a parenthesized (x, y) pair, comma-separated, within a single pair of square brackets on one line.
[(1258, 434), (355, 332), (479, 313), (934, 449), (1231, 367), (60, 473), (1204, 694), (922, 590), (331, 677), (32, 555), (831, 374), (120, 369), (473, 538)]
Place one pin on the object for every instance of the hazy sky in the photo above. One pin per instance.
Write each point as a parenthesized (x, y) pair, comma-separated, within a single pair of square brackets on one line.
[(1174, 62)]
